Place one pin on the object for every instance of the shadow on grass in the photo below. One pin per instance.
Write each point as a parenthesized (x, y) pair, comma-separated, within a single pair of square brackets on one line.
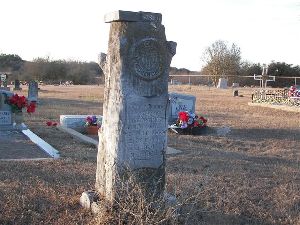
[(68, 102), (218, 218), (50, 91), (260, 134)]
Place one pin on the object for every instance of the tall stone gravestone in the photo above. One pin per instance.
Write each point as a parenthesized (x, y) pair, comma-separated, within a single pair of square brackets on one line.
[(3, 82), (180, 102), (5, 111), (222, 84), (133, 135), (33, 91), (17, 85)]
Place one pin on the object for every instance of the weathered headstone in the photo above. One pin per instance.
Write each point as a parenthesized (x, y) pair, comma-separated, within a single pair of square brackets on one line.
[(235, 85), (180, 102), (134, 132), (222, 84), (5, 111), (76, 122), (3, 82), (17, 85), (33, 91), (235, 93)]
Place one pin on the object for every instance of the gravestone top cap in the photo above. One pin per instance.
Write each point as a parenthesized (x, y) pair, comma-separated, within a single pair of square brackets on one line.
[(128, 16)]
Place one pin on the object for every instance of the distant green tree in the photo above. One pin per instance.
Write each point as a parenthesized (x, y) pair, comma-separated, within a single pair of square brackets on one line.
[(249, 69), (221, 59), (281, 70), (36, 70), (83, 73), (55, 71), (10, 62)]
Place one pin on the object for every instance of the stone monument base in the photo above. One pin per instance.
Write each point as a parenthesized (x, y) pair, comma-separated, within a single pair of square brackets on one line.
[(90, 200)]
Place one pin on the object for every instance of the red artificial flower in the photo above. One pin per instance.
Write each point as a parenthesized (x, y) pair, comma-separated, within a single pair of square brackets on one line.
[(196, 124), (19, 102), (54, 124), (183, 116), (203, 119), (49, 123), (31, 107)]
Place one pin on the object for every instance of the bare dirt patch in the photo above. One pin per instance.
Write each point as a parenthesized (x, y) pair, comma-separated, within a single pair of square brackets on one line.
[(248, 176)]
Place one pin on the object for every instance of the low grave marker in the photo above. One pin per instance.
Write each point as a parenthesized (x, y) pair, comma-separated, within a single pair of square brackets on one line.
[(180, 102), (76, 122)]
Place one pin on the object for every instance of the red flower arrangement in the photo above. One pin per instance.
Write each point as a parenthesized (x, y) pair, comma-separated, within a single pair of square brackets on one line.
[(17, 103), (189, 123), (294, 91), (190, 120), (50, 123)]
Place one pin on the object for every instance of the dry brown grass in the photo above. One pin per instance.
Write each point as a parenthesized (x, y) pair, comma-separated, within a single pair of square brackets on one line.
[(250, 176)]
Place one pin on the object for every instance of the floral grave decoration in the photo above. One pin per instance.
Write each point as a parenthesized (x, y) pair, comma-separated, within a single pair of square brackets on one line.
[(92, 121), (50, 123), (18, 103), (294, 91), (190, 120), (189, 123)]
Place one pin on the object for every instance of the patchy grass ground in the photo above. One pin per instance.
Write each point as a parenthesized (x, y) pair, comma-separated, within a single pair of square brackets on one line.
[(250, 176)]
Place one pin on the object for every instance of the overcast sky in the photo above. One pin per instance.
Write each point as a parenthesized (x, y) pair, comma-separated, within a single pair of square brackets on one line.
[(265, 30)]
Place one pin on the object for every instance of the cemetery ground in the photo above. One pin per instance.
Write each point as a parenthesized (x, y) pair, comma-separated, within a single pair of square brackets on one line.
[(250, 175)]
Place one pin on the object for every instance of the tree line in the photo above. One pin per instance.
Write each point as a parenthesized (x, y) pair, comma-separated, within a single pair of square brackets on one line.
[(50, 71), (220, 59)]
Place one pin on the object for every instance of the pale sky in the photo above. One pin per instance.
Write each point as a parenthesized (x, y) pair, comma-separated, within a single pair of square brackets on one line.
[(265, 30)]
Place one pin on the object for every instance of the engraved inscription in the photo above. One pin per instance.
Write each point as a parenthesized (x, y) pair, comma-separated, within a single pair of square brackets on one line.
[(147, 60), (5, 117), (183, 105), (146, 131)]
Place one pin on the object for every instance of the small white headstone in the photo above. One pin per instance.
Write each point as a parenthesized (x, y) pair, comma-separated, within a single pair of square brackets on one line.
[(75, 122), (235, 85), (178, 103), (222, 83)]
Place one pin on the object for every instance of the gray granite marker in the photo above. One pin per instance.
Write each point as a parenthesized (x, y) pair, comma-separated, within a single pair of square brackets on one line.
[(33, 91), (6, 122), (180, 102), (133, 136)]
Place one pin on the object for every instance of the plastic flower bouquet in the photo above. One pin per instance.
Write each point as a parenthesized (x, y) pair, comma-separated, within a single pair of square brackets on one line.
[(18, 103), (92, 125), (294, 91), (92, 121), (189, 123)]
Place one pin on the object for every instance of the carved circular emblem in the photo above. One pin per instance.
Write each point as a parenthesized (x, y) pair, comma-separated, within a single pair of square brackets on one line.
[(147, 59)]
